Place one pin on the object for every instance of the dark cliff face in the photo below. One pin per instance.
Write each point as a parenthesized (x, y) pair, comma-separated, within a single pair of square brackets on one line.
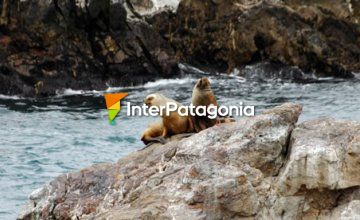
[(232, 33), (46, 46)]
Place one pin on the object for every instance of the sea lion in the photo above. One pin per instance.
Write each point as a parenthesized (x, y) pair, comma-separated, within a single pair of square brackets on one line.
[(171, 124), (153, 133), (203, 96)]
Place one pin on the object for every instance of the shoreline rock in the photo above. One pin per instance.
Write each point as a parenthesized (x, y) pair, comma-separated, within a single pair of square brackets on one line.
[(252, 168)]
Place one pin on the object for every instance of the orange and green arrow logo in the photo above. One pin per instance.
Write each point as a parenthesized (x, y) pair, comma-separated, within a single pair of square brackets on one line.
[(113, 105)]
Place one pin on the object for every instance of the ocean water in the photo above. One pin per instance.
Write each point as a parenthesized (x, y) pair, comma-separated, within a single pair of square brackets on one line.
[(43, 138)]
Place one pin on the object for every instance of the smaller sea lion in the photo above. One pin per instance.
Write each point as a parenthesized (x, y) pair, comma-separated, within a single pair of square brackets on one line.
[(203, 96)]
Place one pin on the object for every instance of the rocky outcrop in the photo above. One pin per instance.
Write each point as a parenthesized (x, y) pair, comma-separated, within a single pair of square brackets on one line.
[(257, 168), (343, 9), (50, 45), (320, 179), (320, 36), (333, 164)]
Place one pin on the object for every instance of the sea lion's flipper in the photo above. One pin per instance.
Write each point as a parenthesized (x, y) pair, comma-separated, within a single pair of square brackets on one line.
[(205, 122), (155, 140), (148, 145)]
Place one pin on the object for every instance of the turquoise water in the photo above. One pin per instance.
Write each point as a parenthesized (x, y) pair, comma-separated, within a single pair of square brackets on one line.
[(40, 139)]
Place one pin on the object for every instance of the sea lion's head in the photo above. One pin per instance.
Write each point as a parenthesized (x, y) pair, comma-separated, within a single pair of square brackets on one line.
[(149, 99), (155, 99), (161, 101), (203, 84)]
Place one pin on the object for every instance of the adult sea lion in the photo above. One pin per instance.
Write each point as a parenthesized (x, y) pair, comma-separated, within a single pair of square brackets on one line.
[(172, 124)]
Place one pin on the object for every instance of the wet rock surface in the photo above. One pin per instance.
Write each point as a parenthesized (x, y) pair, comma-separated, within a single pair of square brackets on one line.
[(260, 167)]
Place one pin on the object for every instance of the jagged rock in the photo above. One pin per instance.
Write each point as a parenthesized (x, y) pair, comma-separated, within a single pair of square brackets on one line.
[(349, 211), (343, 9), (311, 204), (325, 154), (320, 179), (52, 45), (226, 34), (253, 168)]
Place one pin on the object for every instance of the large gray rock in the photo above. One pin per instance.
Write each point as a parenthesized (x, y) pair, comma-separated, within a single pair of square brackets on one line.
[(320, 179), (254, 168), (211, 174), (324, 154)]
